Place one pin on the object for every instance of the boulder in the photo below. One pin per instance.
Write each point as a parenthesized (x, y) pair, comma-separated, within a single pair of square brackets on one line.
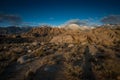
[(52, 68), (35, 43), (24, 59)]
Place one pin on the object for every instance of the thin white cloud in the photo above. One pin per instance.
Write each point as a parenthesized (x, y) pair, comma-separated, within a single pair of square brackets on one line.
[(77, 21)]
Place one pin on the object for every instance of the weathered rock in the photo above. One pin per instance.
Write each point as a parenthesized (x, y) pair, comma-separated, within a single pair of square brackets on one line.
[(5, 47), (24, 59), (71, 45), (28, 47), (29, 51), (93, 49), (62, 39), (50, 68), (18, 50), (42, 43), (35, 43)]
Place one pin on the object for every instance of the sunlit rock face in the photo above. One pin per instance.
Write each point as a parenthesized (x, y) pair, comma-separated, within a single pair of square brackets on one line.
[(104, 36)]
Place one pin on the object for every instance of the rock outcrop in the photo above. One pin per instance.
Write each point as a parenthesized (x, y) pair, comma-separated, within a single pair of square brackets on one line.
[(102, 36)]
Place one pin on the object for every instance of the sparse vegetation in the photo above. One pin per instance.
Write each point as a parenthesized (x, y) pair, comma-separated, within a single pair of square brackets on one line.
[(51, 55)]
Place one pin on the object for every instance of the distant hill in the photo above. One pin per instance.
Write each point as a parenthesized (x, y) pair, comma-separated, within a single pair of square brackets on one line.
[(103, 35), (14, 30)]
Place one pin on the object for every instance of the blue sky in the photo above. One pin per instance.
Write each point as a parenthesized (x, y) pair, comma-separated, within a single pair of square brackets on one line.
[(56, 12)]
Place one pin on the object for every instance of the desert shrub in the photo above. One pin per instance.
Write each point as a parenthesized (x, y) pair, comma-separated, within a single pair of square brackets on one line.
[(73, 68), (6, 59), (71, 57), (4, 56), (40, 52), (57, 59), (110, 71), (14, 57), (73, 72), (29, 75), (3, 65), (101, 55), (18, 36), (36, 35)]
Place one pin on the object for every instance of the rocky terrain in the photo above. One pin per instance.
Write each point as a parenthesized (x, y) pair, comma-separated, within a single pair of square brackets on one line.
[(46, 53)]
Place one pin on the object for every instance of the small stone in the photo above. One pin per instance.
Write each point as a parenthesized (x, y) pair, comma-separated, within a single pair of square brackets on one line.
[(5, 47), (35, 43), (42, 43), (28, 47), (29, 51), (84, 43), (70, 45)]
